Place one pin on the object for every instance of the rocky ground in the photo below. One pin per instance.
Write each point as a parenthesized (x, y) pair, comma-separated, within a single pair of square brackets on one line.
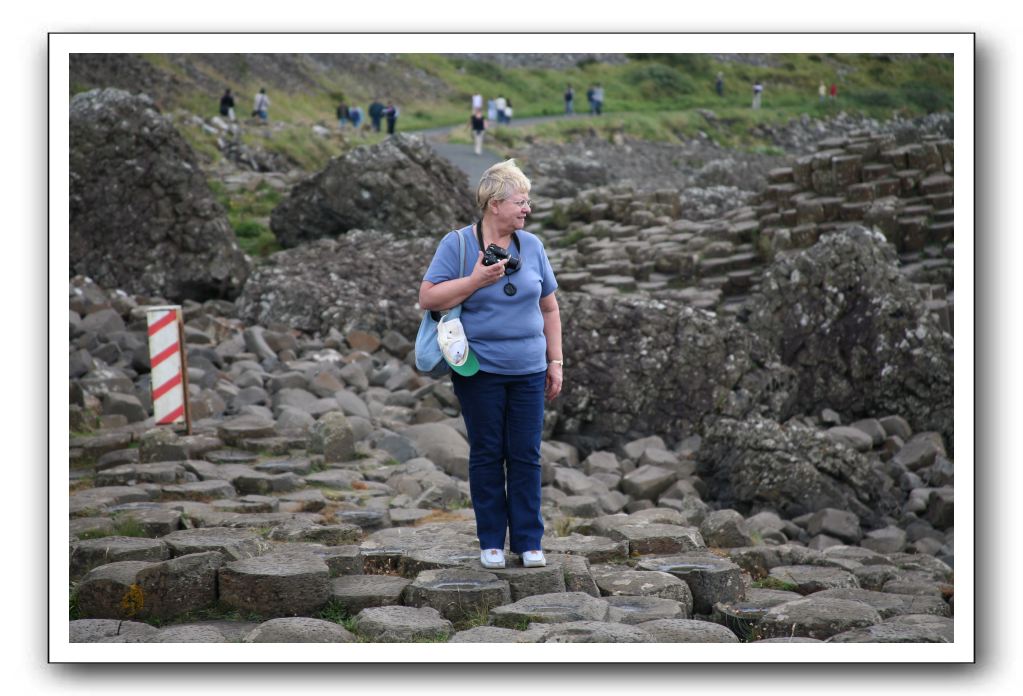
[(323, 497), (754, 442)]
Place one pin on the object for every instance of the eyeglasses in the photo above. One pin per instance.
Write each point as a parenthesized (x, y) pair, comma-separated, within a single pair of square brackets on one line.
[(526, 203)]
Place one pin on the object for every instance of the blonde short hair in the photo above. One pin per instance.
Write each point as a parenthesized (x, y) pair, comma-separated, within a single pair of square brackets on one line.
[(499, 182)]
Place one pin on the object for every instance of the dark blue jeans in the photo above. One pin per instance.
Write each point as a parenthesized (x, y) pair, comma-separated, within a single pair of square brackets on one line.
[(504, 419)]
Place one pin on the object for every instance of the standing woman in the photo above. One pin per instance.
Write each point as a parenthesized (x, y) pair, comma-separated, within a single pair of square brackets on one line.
[(478, 124), (511, 320)]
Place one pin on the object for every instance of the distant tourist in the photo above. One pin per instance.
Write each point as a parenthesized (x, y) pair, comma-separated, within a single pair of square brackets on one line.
[(834, 91), (477, 102), (719, 84), (227, 105), (598, 99), (355, 116), (508, 112), (491, 110), (261, 105), (589, 99), (478, 124), (376, 113), (822, 92), (391, 113), (342, 115), (758, 89), (501, 105), (569, 96)]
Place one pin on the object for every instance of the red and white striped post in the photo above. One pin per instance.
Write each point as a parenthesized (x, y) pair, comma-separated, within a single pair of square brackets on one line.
[(169, 371)]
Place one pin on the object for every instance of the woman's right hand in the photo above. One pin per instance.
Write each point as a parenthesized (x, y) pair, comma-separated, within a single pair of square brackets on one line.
[(482, 276)]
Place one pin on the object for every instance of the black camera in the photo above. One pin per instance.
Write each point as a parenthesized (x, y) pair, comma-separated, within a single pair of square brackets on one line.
[(494, 254)]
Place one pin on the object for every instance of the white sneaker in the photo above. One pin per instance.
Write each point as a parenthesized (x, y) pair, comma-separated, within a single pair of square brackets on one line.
[(492, 558), (533, 559)]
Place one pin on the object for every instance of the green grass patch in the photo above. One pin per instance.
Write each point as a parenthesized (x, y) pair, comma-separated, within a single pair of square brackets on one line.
[(249, 211), (124, 525), (335, 612), (479, 616)]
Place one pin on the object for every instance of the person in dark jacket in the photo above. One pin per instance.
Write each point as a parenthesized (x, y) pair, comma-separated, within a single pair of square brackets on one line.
[(376, 113), (391, 113), (227, 105)]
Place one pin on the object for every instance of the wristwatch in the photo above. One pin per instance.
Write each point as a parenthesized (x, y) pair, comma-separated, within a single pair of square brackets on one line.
[(558, 361)]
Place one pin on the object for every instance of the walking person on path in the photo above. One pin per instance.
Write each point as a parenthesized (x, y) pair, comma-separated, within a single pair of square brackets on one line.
[(477, 101), (478, 124), (569, 97), (821, 92), (834, 91), (501, 105), (757, 91), (342, 115), (589, 99), (719, 84), (598, 99), (505, 356), (491, 110), (261, 105)]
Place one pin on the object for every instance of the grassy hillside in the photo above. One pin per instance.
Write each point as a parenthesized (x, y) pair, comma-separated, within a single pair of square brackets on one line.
[(653, 96), (872, 84), (656, 97)]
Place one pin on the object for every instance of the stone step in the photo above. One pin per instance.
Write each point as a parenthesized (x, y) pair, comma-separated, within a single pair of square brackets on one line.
[(276, 584), (937, 183), (357, 592), (874, 172), (458, 593), (557, 607), (909, 180), (886, 187), (711, 578), (727, 264), (941, 232), (397, 624), (636, 610), (912, 233), (812, 617)]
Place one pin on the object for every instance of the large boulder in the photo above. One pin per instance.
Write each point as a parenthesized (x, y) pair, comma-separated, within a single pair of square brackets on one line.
[(857, 332), (641, 366), (364, 280), (142, 217), (758, 464), (400, 185)]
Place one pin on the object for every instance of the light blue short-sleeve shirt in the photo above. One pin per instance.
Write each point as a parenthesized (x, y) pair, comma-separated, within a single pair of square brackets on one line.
[(505, 331)]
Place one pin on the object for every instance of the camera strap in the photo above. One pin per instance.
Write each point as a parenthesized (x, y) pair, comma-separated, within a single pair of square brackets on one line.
[(509, 287), (479, 238)]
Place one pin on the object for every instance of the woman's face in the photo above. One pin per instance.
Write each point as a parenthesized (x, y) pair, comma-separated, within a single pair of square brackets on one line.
[(511, 212)]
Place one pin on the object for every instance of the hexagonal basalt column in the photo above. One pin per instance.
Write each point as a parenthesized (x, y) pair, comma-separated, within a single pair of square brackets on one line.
[(711, 578), (558, 607), (457, 593), (277, 584)]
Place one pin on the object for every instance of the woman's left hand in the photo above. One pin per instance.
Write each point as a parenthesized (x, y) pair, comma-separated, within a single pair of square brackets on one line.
[(554, 380)]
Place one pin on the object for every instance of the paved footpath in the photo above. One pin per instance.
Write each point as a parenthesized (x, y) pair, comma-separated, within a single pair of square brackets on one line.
[(463, 157)]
